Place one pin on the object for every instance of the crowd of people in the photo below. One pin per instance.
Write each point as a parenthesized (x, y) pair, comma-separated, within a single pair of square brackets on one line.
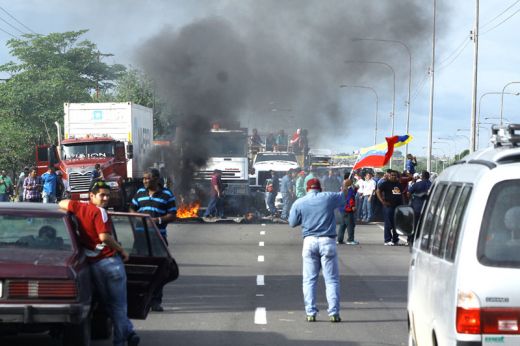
[(49, 187), (280, 141)]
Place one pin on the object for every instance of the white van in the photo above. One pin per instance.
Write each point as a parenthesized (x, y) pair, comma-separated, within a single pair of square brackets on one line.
[(464, 275)]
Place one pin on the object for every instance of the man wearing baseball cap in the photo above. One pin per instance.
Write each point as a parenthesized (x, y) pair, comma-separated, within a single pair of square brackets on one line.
[(315, 213)]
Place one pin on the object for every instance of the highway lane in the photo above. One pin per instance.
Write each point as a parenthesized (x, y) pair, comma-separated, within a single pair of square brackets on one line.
[(241, 285)]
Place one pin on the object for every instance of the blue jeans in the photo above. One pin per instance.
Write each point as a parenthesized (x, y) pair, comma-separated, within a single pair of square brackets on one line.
[(367, 209), (320, 253), (348, 222), (287, 201), (4, 197), (49, 197), (214, 207), (110, 280), (269, 201), (390, 232)]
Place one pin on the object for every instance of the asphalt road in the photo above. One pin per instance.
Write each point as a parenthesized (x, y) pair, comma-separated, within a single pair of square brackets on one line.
[(241, 285)]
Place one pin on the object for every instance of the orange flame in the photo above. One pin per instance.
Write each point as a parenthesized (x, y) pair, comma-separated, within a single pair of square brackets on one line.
[(188, 210)]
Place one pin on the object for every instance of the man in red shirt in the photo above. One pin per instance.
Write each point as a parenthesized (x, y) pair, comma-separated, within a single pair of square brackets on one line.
[(106, 257)]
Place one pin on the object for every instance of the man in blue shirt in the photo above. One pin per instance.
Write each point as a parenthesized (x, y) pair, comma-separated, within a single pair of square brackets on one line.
[(158, 202), (49, 180), (287, 190), (315, 213)]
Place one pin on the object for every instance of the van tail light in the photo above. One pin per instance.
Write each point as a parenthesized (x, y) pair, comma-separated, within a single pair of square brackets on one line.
[(42, 289), (472, 319)]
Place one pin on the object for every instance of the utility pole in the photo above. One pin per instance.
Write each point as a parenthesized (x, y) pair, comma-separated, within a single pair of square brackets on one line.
[(474, 124), (432, 84)]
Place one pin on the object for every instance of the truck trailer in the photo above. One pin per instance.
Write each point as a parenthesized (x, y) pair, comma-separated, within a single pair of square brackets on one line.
[(118, 136)]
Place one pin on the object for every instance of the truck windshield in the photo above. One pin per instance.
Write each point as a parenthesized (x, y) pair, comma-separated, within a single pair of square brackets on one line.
[(227, 144), (87, 150), (275, 157)]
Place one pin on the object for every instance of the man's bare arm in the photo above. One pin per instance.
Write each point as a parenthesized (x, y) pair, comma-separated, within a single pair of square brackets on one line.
[(108, 240)]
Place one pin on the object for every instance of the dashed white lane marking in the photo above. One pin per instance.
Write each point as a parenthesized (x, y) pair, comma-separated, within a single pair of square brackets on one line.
[(263, 225), (260, 258), (260, 280), (259, 295), (260, 316), (261, 243), (262, 232)]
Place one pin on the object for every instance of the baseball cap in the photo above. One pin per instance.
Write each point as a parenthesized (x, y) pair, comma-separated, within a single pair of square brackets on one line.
[(313, 184)]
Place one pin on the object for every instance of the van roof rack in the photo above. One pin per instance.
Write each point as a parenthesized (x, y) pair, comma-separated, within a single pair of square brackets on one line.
[(505, 135)]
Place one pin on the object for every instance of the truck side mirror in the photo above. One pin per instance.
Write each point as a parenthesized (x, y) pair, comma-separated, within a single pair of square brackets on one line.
[(129, 150)]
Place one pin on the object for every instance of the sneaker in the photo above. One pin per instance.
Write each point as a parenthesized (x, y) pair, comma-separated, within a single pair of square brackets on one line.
[(311, 318), (157, 308), (353, 242), (133, 339), (335, 318), (389, 243), (340, 243)]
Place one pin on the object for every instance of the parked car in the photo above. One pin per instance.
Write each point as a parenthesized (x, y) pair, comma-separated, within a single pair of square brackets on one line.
[(44, 277), (464, 275)]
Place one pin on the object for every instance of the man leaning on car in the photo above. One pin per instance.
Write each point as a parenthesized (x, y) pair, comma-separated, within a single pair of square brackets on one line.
[(106, 258)]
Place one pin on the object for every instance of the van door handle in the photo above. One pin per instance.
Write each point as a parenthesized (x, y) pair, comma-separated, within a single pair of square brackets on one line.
[(412, 262)]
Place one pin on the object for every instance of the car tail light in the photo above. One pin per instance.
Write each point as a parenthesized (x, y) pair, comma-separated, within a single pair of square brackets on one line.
[(42, 289), (472, 319)]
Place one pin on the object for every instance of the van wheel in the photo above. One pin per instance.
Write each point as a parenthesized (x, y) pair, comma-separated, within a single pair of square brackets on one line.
[(77, 334)]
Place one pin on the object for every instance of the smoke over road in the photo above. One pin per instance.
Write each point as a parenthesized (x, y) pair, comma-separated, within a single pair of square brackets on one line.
[(278, 64)]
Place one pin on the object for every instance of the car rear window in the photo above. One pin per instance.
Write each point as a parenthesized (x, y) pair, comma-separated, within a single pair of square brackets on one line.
[(499, 240), (43, 233)]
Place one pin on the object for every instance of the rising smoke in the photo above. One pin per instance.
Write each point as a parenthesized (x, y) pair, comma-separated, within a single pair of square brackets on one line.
[(277, 64)]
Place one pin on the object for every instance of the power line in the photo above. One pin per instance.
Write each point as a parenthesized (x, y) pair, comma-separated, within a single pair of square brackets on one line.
[(8, 33), (22, 24), (461, 46), (498, 15), (12, 26), (502, 22), (454, 58)]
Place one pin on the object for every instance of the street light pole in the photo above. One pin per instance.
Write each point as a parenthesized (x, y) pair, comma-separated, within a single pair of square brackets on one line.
[(502, 100), (479, 109), (474, 124), (377, 103), (393, 98), (432, 72), (409, 81)]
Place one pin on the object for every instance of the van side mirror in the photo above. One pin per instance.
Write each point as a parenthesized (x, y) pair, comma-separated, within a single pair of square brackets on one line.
[(129, 150), (404, 219)]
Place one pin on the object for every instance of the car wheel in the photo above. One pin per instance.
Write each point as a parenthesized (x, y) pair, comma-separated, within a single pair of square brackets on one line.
[(77, 334)]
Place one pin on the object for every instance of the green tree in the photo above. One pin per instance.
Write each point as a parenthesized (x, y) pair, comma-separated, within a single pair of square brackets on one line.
[(49, 71)]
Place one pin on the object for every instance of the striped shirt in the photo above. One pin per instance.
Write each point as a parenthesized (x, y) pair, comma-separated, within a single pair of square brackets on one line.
[(162, 202)]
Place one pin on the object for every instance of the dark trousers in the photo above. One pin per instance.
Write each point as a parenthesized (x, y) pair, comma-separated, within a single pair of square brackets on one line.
[(348, 222), (390, 232)]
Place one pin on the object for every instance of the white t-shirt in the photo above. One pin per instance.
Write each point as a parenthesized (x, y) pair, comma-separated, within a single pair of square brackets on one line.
[(369, 187)]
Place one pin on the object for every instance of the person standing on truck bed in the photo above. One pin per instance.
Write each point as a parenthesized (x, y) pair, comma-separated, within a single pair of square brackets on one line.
[(158, 202), (106, 258)]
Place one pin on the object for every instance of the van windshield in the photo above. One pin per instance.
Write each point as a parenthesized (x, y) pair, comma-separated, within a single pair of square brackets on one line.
[(499, 240)]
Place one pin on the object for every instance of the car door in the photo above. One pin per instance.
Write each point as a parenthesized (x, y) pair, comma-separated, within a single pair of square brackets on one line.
[(150, 265)]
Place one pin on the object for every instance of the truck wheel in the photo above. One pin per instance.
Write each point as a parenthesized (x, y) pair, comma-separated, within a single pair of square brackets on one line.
[(77, 334)]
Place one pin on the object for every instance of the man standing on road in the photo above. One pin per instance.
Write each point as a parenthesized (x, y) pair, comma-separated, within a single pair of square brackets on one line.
[(215, 208), (315, 213), (390, 195), (348, 220), (6, 186), (159, 203), (106, 259), (287, 190), (50, 180), (19, 184)]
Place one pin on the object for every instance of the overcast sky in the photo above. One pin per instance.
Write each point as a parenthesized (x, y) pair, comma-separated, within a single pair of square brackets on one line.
[(317, 35)]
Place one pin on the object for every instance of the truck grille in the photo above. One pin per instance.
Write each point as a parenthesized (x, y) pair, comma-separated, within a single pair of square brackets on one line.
[(80, 182)]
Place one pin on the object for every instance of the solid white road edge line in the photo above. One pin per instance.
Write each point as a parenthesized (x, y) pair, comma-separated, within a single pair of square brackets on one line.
[(260, 280), (382, 227), (261, 243), (261, 258), (260, 316)]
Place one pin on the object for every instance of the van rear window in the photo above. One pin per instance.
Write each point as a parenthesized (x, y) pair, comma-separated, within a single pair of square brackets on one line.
[(499, 240)]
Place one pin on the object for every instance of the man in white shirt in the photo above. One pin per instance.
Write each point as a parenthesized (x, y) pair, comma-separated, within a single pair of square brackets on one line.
[(369, 188), (360, 186)]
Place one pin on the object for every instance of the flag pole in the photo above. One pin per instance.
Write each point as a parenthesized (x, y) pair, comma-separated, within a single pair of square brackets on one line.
[(352, 170)]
